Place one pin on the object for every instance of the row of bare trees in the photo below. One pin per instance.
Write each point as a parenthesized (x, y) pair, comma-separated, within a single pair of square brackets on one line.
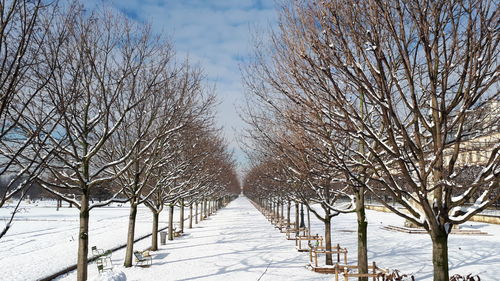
[(381, 97), (92, 101)]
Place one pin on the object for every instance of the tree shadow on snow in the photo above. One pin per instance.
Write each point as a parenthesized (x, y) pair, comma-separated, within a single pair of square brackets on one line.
[(255, 264)]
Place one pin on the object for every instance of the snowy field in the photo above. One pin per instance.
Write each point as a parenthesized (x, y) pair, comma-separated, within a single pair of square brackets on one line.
[(237, 243), (412, 253), (43, 241)]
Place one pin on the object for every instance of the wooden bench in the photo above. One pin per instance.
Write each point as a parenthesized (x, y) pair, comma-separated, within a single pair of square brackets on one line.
[(282, 225), (275, 220), (287, 226), (299, 239), (314, 252), (347, 271), (291, 233)]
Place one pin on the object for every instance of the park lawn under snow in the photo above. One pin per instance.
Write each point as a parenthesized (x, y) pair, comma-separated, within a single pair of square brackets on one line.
[(237, 243), (43, 241), (412, 253)]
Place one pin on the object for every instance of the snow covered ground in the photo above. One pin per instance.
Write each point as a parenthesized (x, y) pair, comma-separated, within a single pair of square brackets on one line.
[(237, 243), (43, 241), (412, 253)]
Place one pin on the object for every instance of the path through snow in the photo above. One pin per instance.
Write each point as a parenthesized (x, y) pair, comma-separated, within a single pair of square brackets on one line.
[(237, 243)]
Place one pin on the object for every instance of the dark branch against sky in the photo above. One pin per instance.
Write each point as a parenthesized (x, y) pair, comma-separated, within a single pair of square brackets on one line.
[(214, 34)]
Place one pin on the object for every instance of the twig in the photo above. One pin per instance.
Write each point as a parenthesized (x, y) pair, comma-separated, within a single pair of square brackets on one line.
[(265, 270)]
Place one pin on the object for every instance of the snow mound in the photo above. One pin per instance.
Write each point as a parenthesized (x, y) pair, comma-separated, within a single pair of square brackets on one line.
[(111, 276)]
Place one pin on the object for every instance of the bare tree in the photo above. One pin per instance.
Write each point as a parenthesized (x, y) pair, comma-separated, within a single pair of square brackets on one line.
[(288, 127), (23, 27), (173, 99), (158, 182), (406, 83), (93, 90)]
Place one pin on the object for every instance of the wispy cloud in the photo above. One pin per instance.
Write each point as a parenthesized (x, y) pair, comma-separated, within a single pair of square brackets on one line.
[(214, 33)]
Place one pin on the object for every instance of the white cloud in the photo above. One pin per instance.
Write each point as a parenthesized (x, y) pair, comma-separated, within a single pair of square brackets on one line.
[(216, 34)]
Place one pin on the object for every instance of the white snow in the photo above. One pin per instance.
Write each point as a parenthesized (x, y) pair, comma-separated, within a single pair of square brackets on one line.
[(480, 203), (237, 243), (43, 241), (111, 276)]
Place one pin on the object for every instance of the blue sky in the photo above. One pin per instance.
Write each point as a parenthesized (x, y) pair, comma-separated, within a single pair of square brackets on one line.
[(216, 34)]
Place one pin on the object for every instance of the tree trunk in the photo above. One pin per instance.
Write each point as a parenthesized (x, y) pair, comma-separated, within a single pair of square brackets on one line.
[(154, 233), (309, 220), (362, 234), (328, 239), (203, 209), (196, 213), (277, 210), (288, 207), (171, 222), (297, 217), (181, 223), (130, 235), (282, 210), (83, 240), (440, 255), (191, 215), (202, 203)]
